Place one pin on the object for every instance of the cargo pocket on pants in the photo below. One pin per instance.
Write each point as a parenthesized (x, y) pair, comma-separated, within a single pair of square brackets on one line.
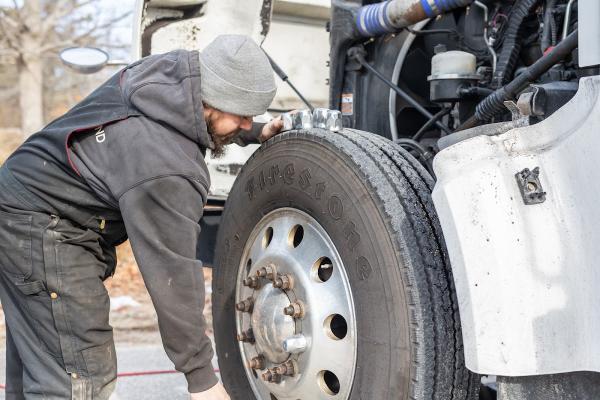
[(15, 245), (101, 365), (39, 306)]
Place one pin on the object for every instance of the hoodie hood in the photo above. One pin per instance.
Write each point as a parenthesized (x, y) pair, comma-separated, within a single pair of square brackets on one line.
[(166, 89)]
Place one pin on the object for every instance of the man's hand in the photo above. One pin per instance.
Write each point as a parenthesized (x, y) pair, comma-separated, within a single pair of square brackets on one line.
[(217, 392), (271, 129)]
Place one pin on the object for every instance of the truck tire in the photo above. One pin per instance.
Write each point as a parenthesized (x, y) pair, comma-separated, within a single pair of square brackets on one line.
[(356, 298)]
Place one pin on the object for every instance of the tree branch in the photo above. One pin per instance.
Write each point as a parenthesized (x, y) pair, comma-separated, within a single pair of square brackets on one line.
[(80, 20), (83, 4), (113, 46), (16, 8), (7, 18), (11, 37), (8, 53), (61, 10), (87, 34)]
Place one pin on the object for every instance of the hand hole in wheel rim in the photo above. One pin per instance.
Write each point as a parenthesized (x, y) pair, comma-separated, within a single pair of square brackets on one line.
[(322, 270), (273, 396), (329, 383), (268, 237), (296, 236), (336, 327), (248, 266)]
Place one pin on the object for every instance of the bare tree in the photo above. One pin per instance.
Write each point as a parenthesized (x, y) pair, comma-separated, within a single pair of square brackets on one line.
[(31, 31)]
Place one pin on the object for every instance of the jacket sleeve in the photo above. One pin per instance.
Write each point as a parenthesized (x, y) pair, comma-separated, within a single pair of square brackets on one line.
[(249, 137), (161, 217)]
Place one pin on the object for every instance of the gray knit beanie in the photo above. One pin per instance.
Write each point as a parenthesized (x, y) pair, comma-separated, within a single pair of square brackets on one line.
[(236, 76)]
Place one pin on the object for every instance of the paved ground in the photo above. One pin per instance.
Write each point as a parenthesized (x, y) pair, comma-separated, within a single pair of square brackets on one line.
[(141, 359)]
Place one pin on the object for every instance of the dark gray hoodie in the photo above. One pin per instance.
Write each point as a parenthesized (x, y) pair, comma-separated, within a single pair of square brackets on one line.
[(141, 176)]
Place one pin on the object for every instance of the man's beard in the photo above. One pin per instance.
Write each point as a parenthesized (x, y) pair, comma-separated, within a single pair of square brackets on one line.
[(219, 141)]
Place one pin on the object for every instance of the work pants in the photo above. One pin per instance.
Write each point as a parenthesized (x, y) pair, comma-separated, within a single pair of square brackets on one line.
[(59, 344)]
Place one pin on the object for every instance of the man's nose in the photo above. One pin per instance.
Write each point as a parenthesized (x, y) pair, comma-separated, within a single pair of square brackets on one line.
[(246, 124)]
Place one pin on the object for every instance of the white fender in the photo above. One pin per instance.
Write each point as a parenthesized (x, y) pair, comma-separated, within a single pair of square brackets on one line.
[(527, 276)]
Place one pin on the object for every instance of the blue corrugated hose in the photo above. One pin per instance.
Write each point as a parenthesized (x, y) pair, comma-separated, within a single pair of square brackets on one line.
[(374, 20)]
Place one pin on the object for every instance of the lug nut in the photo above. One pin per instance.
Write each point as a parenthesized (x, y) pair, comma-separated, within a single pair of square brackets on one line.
[(271, 376), (289, 368), (252, 282), (283, 282), (245, 305), (246, 336), (257, 363), (268, 272), (294, 310)]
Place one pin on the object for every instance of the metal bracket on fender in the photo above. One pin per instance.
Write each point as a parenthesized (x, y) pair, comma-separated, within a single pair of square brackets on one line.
[(320, 118), (530, 186)]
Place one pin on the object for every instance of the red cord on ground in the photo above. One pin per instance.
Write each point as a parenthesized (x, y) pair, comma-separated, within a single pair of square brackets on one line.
[(141, 373)]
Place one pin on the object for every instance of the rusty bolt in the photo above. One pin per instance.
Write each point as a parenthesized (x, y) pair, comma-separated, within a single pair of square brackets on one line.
[(268, 272), (283, 282), (288, 368), (257, 363), (246, 336), (267, 376), (294, 310), (245, 305), (252, 282), (271, 376)]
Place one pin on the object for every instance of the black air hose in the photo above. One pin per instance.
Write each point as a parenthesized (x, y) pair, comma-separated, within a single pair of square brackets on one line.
[(511, 46), (494, 103)]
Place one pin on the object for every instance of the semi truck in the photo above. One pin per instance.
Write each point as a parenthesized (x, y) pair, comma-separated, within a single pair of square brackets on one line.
[(443, 244)]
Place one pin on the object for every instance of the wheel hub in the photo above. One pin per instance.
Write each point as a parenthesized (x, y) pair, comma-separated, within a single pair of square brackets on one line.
[(270, 325), (295, 315)]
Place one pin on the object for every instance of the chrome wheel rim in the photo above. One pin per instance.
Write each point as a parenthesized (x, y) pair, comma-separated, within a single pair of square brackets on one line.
[(296, 324)]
